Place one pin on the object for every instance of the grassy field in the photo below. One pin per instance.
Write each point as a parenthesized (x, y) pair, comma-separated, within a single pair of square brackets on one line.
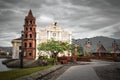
[(13, 74)]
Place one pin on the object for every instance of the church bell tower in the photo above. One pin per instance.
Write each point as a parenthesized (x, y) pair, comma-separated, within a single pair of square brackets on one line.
[(29, 36)]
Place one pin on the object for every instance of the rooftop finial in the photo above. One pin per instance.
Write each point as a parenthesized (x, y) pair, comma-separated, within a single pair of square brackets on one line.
[(30, 13), (55, 23)]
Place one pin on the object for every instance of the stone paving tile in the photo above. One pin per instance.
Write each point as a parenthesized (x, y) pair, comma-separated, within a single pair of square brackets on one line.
[(55, 74), (79, 72)]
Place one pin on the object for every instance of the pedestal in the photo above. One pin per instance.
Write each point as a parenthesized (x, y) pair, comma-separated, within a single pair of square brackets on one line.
[(74, 58)]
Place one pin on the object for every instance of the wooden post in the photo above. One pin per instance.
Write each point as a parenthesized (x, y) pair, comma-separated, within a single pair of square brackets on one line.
[(21, 54)]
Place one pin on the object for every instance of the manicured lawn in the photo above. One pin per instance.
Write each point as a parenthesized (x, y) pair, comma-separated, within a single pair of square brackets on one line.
[(13, 74)]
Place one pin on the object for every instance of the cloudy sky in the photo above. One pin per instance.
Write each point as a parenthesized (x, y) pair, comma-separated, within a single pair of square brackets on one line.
[(85, 18)]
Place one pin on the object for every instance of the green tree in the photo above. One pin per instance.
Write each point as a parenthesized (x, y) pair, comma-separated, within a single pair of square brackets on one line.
[(80, 49), (54, 46)]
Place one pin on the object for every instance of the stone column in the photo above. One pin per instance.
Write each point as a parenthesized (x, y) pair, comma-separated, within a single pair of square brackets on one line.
[(60, 35), (70, 38), (48, 34)]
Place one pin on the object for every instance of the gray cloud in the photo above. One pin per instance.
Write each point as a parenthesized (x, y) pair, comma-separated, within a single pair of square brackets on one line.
[(85, 18)]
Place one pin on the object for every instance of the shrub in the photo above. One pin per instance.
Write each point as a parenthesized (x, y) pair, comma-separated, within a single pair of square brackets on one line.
[(80, 54), (51, 60)]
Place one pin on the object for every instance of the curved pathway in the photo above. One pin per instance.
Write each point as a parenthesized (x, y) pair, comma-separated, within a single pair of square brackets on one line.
[(2, 66), (83, 72)]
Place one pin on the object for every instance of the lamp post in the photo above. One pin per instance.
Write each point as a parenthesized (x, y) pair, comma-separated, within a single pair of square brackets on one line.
[(21, 54)]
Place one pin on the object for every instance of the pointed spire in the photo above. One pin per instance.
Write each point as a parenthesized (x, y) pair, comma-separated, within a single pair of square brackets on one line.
[(115, 47), (30, 13), (101, 48)]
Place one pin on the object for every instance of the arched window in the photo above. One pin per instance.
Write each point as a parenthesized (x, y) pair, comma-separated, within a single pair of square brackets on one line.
[(20, 47), (26, 36), (30, 54), (26, 21), (30, 35), (30, 22), (25, 44), (30, 29), (26, 28), (30, 44), (34, 29)]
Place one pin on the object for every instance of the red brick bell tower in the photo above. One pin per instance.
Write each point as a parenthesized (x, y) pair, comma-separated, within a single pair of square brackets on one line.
[(29, 36)]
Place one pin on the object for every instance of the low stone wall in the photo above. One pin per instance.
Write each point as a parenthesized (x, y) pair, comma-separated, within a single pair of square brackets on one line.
[(116, 59), (83, 59), (105, 54), (65, 60)]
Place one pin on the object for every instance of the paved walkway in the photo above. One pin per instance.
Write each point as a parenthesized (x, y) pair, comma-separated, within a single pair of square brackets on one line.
[(2, 66), (79, 73), (82, 72)]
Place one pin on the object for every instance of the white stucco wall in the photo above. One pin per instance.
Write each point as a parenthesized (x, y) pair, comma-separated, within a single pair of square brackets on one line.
[(15, 49)]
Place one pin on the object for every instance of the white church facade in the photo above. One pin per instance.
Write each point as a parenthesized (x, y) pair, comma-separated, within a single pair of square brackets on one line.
[(53, 31)]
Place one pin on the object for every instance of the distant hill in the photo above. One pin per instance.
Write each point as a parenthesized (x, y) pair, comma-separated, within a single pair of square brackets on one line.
[(107, 42), (8, 49)]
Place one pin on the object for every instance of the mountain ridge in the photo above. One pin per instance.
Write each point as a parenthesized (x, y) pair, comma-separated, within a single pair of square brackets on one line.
[(106, 41)]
